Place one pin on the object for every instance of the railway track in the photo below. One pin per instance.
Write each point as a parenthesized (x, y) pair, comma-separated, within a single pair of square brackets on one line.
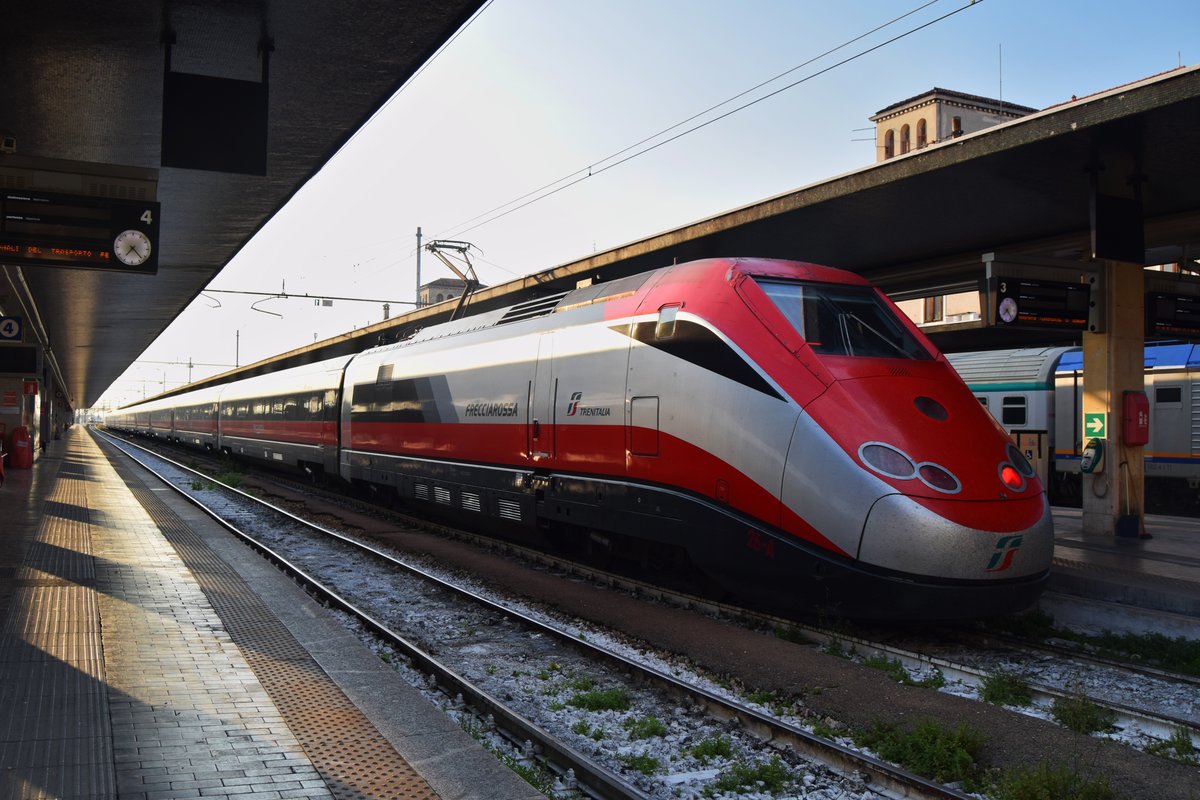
[(565, 662)]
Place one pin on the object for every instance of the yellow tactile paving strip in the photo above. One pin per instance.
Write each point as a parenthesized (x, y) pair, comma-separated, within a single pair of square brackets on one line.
[(347, 750), (54, 733)]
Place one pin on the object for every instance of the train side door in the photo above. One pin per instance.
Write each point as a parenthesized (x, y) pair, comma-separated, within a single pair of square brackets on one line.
[(543, 392), (1033, 445)]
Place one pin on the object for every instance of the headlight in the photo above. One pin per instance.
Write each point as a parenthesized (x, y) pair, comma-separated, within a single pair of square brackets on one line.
[(887, 460)]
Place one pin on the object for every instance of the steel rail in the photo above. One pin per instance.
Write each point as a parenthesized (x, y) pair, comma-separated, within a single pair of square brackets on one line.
[(884, 777), (596, 780)]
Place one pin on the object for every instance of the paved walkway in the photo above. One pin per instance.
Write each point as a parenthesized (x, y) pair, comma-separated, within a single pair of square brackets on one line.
[(106, 623)]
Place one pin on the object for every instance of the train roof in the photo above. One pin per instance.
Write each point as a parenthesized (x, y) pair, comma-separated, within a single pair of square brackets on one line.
[(1164, 355), (1021, 369)]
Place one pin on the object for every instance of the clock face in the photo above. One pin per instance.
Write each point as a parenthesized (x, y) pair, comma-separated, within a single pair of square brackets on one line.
[(1008, 309), (132, 247)]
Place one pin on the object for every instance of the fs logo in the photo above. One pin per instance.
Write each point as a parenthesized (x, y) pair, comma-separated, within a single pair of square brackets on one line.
[(1006, 550), (573, 406)]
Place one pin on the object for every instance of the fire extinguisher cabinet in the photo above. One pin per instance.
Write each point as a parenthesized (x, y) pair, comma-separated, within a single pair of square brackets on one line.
[(20, 453)]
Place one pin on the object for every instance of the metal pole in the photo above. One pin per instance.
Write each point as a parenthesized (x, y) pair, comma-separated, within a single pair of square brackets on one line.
[(417, 304)]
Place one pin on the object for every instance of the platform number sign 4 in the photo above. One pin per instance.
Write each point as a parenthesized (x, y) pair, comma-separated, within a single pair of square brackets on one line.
[(10, 329)]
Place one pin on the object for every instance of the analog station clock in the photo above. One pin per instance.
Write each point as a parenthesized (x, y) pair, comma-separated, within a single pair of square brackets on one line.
[(132, 247), (1008, 309)]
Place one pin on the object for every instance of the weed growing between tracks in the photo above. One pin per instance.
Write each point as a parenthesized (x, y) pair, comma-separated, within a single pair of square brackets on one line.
[(1178, 748), (949, 756), (1005, 689), (1081, 715), (929, 749), (527, 769), (1177, 654), (894, 669), (771, 776), (1051, 782)]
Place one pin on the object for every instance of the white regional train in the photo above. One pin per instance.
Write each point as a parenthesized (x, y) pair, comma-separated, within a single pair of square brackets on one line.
[(1036, 395)]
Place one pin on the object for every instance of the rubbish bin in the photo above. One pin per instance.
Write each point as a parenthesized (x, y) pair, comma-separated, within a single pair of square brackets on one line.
[(20, 453)]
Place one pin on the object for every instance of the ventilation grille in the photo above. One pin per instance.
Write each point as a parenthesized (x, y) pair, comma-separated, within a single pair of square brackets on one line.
[(538, 307), (471, 502), (421, 491), (441, 496), (1196, 419), (509, 510)]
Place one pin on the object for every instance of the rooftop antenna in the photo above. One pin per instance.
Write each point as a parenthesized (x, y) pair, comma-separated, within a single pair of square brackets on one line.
[(1000, 52), (444, 249)]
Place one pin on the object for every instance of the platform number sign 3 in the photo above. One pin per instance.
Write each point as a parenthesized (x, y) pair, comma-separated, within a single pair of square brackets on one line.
[(10, 329)]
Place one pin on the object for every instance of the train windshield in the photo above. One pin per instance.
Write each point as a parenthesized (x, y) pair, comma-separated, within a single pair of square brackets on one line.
[(842, 320)]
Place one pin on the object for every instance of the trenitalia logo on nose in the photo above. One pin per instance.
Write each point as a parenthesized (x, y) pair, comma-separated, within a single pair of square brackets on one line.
[(575, 408), (1006, 550)]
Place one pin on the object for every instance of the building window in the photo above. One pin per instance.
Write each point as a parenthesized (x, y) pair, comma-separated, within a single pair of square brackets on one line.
[(905, 141), (922, 134), (933, 309), (956, 126), (889, 143)]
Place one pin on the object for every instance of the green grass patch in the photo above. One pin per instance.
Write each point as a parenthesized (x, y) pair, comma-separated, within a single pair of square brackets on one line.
[(1051, 782), (644, 727), (1178, 748), (532, 773), (647, 765), (929, 749), (771, 776), (1082, 715), (888, 666), (1177, 654), (711, 748), (836, 648), (1005, 688), (1036, 625), (601, 700), (790, 634), (894, 669)]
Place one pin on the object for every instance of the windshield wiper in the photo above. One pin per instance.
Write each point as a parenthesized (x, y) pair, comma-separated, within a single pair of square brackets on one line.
[(849, 346)]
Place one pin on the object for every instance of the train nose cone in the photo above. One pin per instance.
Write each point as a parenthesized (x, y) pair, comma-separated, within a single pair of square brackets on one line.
[(945, 538)]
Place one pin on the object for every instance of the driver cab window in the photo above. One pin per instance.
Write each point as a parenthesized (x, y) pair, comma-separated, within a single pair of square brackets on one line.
[(843, 320)]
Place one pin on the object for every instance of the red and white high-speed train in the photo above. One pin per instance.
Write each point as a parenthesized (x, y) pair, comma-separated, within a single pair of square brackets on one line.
[(779, 422)]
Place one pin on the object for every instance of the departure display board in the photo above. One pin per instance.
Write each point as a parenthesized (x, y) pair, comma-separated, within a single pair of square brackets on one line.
[(1175, 315), (1039, 304), (78, 231)]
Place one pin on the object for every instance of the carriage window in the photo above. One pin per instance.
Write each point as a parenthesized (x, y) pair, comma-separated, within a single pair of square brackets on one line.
[(1169, 396), (840, 320), (1014, 410), (982, 401)]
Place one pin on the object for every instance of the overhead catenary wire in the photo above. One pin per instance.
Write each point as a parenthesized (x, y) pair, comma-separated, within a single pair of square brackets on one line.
[(580, 175)]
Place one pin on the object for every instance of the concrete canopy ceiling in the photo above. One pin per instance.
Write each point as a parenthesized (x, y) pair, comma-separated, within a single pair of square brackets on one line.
[(84, 81)]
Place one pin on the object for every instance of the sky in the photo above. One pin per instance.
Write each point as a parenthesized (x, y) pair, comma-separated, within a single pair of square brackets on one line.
[(540, 93)]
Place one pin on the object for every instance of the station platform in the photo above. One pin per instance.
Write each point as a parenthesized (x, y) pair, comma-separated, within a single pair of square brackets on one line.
[(146, 654), (1159, 574)]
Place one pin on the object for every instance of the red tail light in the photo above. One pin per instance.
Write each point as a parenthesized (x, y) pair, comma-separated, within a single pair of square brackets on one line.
[(1011, 478)]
